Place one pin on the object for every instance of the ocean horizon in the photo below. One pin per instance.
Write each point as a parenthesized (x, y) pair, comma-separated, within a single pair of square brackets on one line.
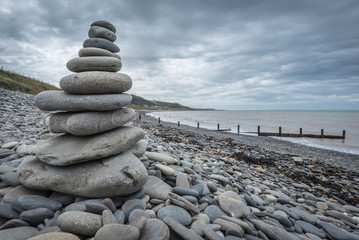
[(311, 121)]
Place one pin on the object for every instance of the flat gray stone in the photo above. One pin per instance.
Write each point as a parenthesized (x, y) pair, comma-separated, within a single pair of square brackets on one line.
[(131, 205), (7, 212), (105, 24), (175, 212), (89, 123), (273, 232), (117, 231), (118, 175), (18, 233), (95, 207), (36, 216), (93, 52), (11, 178), (214, 212), (185, 233), (155, 229), (64, 150), (60, 100), (156, 188), (165, 170), (101, 32), (337, 233), (108, 217), (139, 148), (22, 190), (55, 236), (97, 63), (161, 157), (28, 202), (233, 207), (101, 43), (82, 223), (310, 228), (96, 82)]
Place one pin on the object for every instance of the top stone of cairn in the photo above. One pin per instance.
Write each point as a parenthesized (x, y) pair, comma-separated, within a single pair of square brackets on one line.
[(105, 24)]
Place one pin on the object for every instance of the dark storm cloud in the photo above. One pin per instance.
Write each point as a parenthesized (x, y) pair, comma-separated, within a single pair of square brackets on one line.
[(222, 54)]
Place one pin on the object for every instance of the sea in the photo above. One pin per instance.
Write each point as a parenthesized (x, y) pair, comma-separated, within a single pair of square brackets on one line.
[(333, 123)]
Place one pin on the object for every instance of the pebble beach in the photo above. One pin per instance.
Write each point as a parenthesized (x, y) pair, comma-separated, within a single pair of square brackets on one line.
[(201, 185)]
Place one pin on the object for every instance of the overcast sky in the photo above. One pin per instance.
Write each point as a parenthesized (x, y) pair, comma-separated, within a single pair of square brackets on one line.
[(223, 54)]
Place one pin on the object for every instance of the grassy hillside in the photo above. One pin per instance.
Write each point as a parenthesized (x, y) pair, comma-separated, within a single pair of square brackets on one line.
[(17, 82)]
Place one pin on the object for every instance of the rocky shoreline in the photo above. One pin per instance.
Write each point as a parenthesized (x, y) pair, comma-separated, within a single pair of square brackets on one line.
[(201, 185)]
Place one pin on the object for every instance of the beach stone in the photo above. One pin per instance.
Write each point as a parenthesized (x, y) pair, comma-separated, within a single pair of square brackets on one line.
[(116, 231), (185, 233), (340, 216), (118, 175), (18, 233), (244, 225), (82, 223), (182, 180), (12, 223), (52, 100), (65, 149), (175, 212), (161, 157), (155, 229), (9, 145), (233, 207), (287, 210), (63, 198), (131, 205), (110, 204), (95, 207), (96, 82), (28, 202), (7, 212), (36, 216), (136, 214), (185, 191), (227, 225), (182, 202), (97, 63), (11, 178), (273, 232), (101, 43), (306, 216), (120, 216), (156, 188), (22, 190), (220, 178), (322, 206), (5, 169), (105, 24), (139, 148), (89, 123), (310, 228), (101, 32), (201, 188), (337, 233), (108, 217), (92, 52), (165, 170), (198, 226), (214, 212), (55, 236)]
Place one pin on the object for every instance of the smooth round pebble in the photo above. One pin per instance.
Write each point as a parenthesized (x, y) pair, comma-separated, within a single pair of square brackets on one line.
[(117, 231), (175, 212)]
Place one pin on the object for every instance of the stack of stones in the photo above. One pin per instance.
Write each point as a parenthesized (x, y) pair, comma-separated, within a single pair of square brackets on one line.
[(96, 156)]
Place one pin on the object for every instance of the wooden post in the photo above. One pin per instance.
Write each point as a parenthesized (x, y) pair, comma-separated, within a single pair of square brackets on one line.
[(300, 131), (218, 126), (280, 131), (259, 130), (197, 124), (178, 124), (322, 133), (343, 134), (159, 120), (238, 128)]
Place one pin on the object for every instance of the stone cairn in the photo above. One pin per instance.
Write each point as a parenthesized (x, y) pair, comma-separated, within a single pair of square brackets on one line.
[(96, 155)]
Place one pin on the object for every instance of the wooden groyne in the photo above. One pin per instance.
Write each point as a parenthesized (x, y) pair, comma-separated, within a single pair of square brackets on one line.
[(274, 134)]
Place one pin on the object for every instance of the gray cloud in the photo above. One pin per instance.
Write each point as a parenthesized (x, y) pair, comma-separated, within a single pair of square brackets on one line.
[(223, 54)]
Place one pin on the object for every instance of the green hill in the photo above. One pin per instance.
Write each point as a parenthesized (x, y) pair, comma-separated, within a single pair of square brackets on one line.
[(16, 82)]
